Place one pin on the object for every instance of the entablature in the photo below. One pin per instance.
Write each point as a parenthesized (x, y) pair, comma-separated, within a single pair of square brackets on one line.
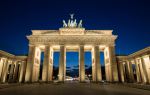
[(72, 39), (71, 31)]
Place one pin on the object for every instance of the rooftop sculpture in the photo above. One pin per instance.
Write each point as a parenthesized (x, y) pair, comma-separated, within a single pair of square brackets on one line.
[(72, 23)]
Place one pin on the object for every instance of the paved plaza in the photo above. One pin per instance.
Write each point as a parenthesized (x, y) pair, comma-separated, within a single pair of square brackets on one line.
[(71, 89)]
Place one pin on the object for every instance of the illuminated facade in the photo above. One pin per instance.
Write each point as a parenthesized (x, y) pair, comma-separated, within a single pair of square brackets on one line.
[(73, 37), (12, 68), (135, 67)]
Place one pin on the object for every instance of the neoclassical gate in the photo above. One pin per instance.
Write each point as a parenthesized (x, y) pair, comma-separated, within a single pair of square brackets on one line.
[(71, 37)]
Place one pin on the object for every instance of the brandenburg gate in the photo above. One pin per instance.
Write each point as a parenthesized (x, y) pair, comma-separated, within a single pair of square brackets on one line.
[(71, 37)]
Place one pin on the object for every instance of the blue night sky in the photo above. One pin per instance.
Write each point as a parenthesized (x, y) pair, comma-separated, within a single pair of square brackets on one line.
[(130, 20)]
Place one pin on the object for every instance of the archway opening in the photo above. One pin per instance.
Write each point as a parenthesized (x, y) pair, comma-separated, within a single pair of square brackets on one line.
[(127, 72), (134, 72), (72, 66), (41, 65), (18, 72), (88, 65), (56, 56), (102, 66), (8, 73)]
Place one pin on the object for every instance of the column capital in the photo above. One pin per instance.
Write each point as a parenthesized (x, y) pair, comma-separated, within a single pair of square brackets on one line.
[(135, 60), (81, 45), (62, 44), (129, 61), (108, 45), (31, 45), (94, 45), (47, 45)]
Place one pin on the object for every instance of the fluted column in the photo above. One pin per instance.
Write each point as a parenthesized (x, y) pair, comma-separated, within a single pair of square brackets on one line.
[(145, 71), (143, 79), (137, 71), (96, 67), (5, 70), (107, 65), (127, 72), (30, 62), (93, 65), (121, 70), (111, 64), (22, 71), (130, 71), (148, 68), (11, 72), (124, 71), (16, 72), (61, 76), (1, 68), (36, 65), (48, 64), (81, 64)]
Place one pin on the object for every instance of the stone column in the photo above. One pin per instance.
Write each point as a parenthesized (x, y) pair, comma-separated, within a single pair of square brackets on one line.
[(16, 72), (112, 63), (93, 65), (50, 67), (96, 67), (130, 71), (126, 73), (22, 72), (11, 72), (93, 68), (141, 71), (148, 67), (30, 62), (47, 73), (137, 71), (5, 70), (81, 64), (61, 76), (46, 63), (144, 70), (1, 67), (121, 70), (65, 65), (36, 65), (127, 70), (107, 65)]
